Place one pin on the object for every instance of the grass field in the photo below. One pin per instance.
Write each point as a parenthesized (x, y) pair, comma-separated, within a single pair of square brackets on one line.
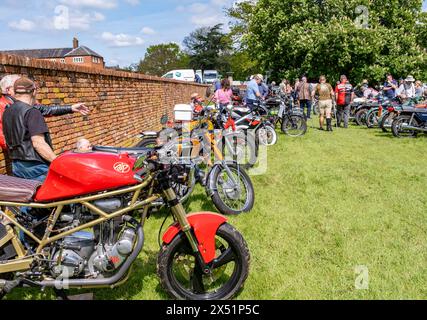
[(329, 202)]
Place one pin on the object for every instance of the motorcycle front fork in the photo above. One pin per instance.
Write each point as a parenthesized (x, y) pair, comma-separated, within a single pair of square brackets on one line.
[(180, 214)]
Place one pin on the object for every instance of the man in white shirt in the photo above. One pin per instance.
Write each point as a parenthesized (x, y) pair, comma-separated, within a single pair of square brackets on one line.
[(407, 88)]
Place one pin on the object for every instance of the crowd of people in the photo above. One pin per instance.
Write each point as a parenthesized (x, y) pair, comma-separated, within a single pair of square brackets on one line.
[(305, 94)]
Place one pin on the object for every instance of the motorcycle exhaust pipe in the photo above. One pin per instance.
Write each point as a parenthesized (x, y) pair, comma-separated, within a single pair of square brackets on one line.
[(408, 127), (103, 282)]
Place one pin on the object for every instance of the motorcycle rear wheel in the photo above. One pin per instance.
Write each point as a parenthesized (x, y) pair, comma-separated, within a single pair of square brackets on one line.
[(182, 278), (397, 130), (147, 143)]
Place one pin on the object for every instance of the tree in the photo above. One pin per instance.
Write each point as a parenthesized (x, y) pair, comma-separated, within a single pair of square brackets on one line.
[(162, 58), (360, 38), (208, 48)]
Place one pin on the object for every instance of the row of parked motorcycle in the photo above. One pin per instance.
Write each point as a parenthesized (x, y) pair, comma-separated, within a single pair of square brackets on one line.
[(404, 118), (233, 134), (83, 226)]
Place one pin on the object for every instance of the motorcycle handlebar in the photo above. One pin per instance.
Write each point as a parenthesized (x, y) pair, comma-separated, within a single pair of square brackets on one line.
[(150, 167)]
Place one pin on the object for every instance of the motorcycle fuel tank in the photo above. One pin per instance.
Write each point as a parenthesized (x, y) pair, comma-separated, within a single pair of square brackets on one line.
[(76, 174)]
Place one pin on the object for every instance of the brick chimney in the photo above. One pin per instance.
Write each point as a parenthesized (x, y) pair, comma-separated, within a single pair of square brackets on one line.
[(75, 43)]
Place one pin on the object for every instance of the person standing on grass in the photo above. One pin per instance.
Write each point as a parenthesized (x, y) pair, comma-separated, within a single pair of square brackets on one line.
[(325, 92), (223, 95), (390, 87), (304, 92), (252, 92), (344, 96), (419, 90)]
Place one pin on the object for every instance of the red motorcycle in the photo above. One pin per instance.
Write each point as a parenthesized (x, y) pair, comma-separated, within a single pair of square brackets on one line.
[(83, 228)]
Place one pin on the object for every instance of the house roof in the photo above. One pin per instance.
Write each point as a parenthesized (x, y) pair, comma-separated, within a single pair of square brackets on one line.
[(82, 51), (41, 53), (54, 53)]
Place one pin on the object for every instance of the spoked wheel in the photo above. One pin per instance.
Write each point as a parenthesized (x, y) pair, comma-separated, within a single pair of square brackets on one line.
[(400, 132), (182, 277), (267, 136), (361, 117), (233, 194), (240, 148), (184, 190), (386, 122), (371, 119), (294, 126)]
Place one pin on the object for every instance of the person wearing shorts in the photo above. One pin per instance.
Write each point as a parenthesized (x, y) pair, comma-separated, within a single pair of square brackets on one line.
[(325, 93)]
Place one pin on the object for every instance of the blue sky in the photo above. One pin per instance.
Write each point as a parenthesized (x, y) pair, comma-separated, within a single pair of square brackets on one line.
[(120, 30)]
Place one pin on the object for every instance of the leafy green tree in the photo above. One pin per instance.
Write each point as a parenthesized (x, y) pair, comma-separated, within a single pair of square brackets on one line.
[(208, 48), (360, 38), (162, 58)]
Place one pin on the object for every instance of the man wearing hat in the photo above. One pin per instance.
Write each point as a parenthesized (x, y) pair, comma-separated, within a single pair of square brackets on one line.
[(407, 89), (27, 135), (7, 99)]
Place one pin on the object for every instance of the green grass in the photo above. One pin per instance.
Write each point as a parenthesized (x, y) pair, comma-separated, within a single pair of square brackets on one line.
[(329, 202)]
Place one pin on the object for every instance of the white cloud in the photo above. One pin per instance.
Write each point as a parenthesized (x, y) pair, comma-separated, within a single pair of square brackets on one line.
[(133, 2), (100, 4), (121, 40), (204, 21), (198, 8), (147, 31), (22, 25), (207, 14), (83, 21)]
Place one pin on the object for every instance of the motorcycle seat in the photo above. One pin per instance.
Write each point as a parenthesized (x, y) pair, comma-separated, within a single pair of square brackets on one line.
[(17, 190), (134, 151), (242, 111)]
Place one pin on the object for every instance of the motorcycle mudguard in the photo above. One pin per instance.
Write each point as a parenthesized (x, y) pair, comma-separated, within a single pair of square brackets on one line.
[(205, 225)]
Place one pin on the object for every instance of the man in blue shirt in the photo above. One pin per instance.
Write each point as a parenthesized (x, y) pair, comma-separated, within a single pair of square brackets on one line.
[(263, 90), (390, 87), (252, 92)]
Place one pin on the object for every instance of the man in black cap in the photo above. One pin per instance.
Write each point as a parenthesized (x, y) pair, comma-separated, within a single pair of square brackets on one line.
[(27, 135)]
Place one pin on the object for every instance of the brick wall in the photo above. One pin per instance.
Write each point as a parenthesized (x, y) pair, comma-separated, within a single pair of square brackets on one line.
[(122, 104)]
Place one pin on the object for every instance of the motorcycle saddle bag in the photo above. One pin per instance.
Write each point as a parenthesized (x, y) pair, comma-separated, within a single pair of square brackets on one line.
[(17, 190)]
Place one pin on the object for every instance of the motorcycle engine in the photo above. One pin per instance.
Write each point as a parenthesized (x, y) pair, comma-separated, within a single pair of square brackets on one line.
[(93, 253), (73, 254), (108, 258)]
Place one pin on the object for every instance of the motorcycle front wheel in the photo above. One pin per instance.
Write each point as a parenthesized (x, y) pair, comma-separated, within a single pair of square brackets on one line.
[(228, 197), (182, 278), (386, 122), (267, 136), (361, 117), (371, 119), (294, 126)]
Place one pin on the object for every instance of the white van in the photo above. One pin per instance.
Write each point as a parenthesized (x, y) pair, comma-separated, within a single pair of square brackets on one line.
[(210, 76), (183, 75)]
